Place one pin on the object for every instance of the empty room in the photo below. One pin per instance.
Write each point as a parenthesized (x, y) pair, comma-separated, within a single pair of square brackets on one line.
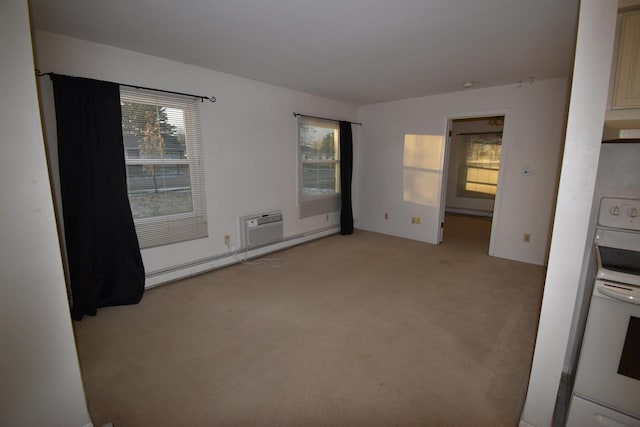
[(280, 213)]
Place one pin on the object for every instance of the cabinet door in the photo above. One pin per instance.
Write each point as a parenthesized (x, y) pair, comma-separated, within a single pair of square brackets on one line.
[(627, 87)]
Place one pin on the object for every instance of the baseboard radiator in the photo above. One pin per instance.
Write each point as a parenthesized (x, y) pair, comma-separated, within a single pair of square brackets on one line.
[(261, 229)]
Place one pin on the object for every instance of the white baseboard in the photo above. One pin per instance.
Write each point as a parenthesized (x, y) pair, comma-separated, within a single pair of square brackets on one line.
[(525, 424), (161, 277)]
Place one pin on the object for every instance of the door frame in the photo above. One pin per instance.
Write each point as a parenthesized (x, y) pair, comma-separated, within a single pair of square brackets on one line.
[(497, 204)]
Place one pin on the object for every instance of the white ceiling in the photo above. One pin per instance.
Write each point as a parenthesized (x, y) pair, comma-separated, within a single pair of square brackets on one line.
[(358, 51)]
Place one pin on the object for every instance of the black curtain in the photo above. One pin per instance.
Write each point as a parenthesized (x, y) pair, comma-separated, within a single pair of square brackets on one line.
[(105, 265), (346, 173)]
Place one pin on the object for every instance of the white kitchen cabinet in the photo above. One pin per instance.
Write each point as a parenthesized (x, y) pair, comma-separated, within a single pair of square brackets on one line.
[(627, 84)]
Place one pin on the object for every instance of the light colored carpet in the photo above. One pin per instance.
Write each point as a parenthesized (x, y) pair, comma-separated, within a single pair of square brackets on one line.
[(361, 330)]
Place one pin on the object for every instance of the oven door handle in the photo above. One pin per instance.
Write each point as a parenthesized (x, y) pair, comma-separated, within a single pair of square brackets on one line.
[(609, 422), (620, 293)]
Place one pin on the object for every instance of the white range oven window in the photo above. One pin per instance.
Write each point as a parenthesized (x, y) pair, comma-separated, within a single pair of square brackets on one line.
[(630, 359)]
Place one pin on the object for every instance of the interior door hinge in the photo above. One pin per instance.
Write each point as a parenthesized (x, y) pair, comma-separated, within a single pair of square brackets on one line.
[(449, 133)]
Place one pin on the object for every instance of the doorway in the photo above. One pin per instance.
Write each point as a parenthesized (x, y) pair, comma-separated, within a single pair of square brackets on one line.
[(473, 160)]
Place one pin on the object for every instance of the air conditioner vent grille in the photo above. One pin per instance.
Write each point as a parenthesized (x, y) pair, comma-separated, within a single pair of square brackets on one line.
[(261, 229)]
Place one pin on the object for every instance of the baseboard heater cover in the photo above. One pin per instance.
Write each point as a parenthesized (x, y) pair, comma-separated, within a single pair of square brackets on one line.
[(203, 265), (471, 212), (261, 229)]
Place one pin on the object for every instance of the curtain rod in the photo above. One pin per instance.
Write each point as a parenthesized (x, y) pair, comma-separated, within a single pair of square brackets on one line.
[(323, 118), (202, 97)]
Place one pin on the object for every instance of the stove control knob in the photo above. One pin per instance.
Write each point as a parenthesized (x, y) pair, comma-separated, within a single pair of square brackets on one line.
[(633, 212), (615, 211)]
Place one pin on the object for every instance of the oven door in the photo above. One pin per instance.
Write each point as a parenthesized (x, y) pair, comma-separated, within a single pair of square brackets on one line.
[(609, 367)]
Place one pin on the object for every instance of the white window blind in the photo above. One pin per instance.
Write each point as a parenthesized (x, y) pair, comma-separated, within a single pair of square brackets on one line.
[(319, 168), (480, 165), (164, 162)]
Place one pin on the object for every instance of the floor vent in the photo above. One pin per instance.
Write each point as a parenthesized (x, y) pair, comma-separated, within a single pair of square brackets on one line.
[(260, 229)]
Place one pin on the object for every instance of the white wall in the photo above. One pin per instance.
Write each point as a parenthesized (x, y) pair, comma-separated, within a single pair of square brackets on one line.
[(249, 137), (618, 171), (40, 380), (532, 138), (570, 243), (461, 204)]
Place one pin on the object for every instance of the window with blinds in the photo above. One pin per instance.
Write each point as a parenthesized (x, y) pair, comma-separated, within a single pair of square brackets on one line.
[(480, 165), (319, 179), (165, 173)]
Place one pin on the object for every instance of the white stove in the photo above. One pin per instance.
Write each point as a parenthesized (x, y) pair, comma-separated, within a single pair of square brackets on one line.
[(607, 385)]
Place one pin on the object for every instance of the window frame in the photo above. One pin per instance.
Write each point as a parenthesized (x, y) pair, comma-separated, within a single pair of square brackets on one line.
[(163, 230), (318, 204)]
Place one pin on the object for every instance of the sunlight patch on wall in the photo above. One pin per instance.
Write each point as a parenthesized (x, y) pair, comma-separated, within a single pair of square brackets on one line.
[(420, 187), (422, 168)]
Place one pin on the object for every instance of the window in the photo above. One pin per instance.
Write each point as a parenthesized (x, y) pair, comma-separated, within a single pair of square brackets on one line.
[(319, 166), (163, 157), (480, 165)]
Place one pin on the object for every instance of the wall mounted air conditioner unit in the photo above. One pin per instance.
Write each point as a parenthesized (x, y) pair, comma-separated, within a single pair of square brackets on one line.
[(260, 229)]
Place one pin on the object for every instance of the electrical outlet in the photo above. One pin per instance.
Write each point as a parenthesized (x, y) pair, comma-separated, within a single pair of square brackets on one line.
[(526, 237), (386, 215), (227, 240)]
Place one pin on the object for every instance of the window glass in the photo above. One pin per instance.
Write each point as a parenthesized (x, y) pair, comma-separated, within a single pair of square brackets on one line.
[(480, 166), (319, 157), (319, 166), (164, 169)]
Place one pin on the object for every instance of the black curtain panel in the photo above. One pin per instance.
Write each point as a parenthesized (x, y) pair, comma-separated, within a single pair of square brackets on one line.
[(346, 173), (105, 265)]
